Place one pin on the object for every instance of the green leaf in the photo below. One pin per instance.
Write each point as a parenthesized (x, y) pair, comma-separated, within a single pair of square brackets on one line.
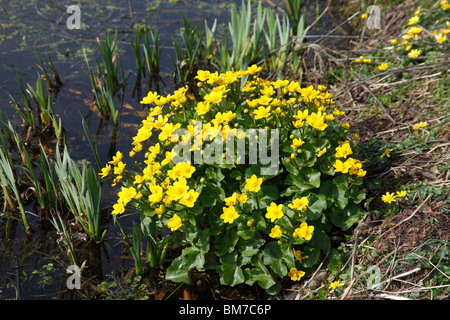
[(320, 240), (226, 243), (273, 256), (231, 274), (289, 191), (179, 271), (210, 194), (250, 247), (312, 256), (214, 174), (195, 257), (317, 205), (260, 273), (290, 167), (347, 217)]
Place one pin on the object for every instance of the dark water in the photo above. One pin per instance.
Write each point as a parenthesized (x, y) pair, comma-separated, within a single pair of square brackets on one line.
[(29, 24)]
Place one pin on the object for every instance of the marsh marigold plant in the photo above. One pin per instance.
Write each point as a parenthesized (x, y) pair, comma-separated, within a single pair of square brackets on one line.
[(249, 224)]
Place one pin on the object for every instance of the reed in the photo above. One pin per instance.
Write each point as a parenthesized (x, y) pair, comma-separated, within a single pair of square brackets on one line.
[(95, 84), (10, 186), (152, 53), (136, 47), (135, 250), (156, 249), (191, 41), (66, 238), (82, 193), (42, 101), (25, 113)]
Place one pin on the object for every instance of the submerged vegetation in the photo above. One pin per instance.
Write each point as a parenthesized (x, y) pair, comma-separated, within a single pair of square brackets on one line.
[(356, 198)]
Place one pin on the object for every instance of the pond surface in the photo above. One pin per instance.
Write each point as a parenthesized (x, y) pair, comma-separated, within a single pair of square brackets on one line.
[(36, 269)]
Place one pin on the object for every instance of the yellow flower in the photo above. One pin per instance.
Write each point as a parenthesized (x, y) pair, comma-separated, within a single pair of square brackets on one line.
[(160, 210), (274, 211), (262, 112), (362, 59), (299, 203), (118, 169), (295, 274), (343, 150), (157, 194), (280, 83), (321, 152), (419, 125), (335, 285), (293, 86), (445, 5), (297, 142), (105, 171), (414, 31), (202, 75), (167, 130), (178, 190), (394, 41), (190, 198), (242, 198), (440, 38), (275, 232), (413, 20), (231, 201), (118, 208), (345, 126), (127, 194), (253, 183), (316, 121), (401, 194), (382, 66), (364, 15), (116, 159), (229, 214), (388, 197), (264, 100), (304, 231), (214, 97), (202, 108), (150, 98), (253, 69), (414, 53), (175, 223), (340, 166), (182, 169), (297, 124), (298, 255), (301, 115), (267, 90)]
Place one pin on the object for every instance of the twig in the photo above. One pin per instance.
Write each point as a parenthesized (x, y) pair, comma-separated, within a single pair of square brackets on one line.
[(314, 274), (404, 81), (404, 274), (390, 296)]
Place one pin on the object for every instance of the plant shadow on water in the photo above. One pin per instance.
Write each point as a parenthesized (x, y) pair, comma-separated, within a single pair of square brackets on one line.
[(93, 93)]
